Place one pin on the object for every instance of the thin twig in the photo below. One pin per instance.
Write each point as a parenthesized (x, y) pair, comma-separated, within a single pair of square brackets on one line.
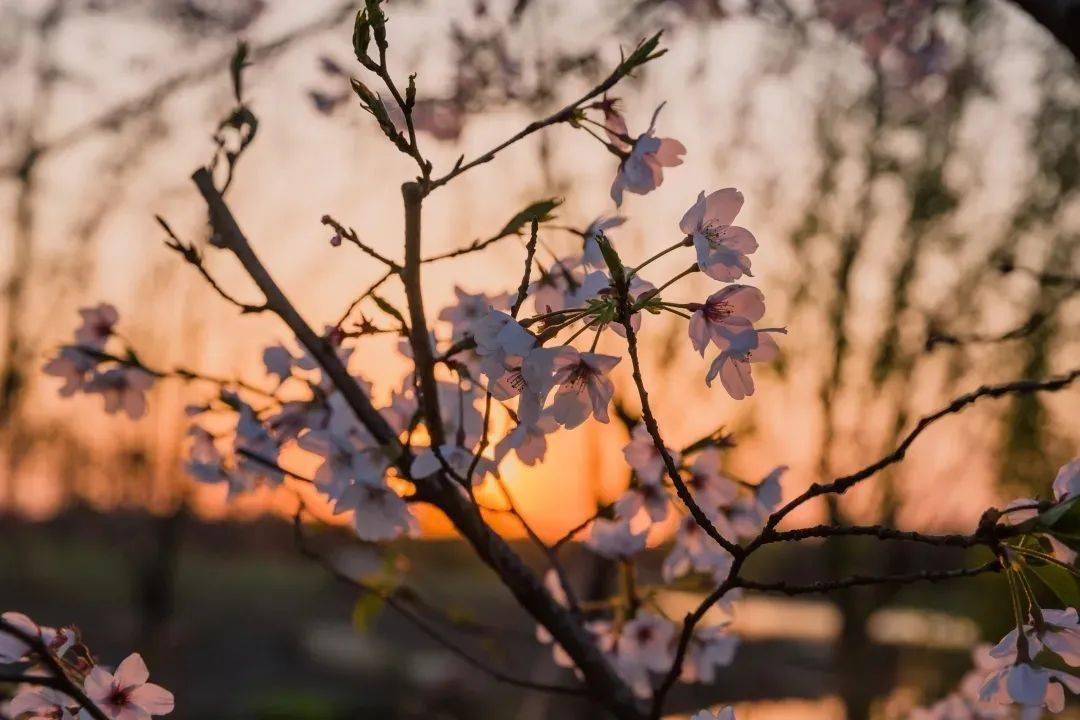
[(530, 253), (349, 234), (564, 115), (68, 686), (393, 600), (193, 257), (823, 586), (842, 484)]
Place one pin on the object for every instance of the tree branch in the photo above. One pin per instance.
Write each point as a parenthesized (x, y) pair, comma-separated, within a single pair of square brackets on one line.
[(349, 234), (823, 586), (843, 484), (564, 115), (68, 686), (603, 683)]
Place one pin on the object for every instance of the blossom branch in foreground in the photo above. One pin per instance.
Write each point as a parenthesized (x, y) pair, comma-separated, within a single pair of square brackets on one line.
[(625, 319), (642, 54), (603, 683), (194, 258), (60, 679)]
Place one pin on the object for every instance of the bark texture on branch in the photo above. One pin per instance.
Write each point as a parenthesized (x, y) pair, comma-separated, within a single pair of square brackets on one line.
[(602, 683)]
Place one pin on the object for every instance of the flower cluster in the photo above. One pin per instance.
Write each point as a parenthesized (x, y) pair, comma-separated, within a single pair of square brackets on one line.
[(644, 643), (353, 467), (1023, 668), (123, 694), (86, 366), (544, 380)]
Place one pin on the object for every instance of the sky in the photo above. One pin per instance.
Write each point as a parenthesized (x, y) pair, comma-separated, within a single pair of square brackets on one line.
[(738, 95)]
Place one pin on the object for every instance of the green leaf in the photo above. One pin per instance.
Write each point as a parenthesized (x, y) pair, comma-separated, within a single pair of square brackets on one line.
[(1062, 582), (643, 53), (1064, 517), (366, 610), (539, 211), (614, 262)]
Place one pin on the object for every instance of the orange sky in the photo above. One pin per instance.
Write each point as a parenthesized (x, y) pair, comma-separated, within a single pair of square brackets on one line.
[(743, 127)]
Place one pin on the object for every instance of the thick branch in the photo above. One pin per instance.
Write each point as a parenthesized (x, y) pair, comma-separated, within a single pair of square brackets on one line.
[(603, 684), (419, 337), (231, 237)]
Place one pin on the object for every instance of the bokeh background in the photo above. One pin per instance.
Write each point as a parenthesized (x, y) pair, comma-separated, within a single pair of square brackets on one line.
[(911, 176)]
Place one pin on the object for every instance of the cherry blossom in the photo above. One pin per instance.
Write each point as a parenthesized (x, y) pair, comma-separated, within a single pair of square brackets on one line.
[(72, 365), (296, 416), (530, 378), (647, 641), (1061, 634), (458, 458), (733, 363), (12, 649), (127, 695), (648, 496), (469, 308), (592, 286), (555, 284), (642, 168), (379, 513), (1066, 485), (726, 312), (724, 713), (97, 325), (528, 441), (256, 452), (749, 515), (279, 362), (584, 388), (43, 703), (1028, 685), (1057, 630), (497, 333), (124, 390), (722, 248), (710, 648), (964, 703), (694, 551), (205, 462), (614, 122), (710, 487), (590, 253), (642, 455), (614, 539), (346, 458), (1067, 482)]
